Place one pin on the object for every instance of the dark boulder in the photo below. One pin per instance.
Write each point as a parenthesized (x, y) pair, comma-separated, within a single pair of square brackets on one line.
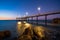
[(56, 21), (4, 34), (26, 35), (7, 33)]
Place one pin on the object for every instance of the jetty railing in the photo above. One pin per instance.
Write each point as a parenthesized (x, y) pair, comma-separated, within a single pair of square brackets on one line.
[(39, 15)]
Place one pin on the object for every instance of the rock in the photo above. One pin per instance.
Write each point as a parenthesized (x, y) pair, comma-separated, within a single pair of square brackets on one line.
[(38, 34), (7, 33), (56, 21), (26, 35), (4, 34), (15, 38), (57, 36)]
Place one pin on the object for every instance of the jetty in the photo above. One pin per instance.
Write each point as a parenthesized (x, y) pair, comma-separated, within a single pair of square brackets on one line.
[(28, 30)]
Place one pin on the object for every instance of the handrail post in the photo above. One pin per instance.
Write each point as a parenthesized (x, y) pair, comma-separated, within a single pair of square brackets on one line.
[(37, 20), (45, 20), (32, 20), (28, 20)]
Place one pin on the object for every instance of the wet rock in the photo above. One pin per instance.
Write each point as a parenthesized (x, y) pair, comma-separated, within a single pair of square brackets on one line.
[(1, 35), (15, 38), (4, 34), (57, 36), (56, 21), (35, 33), (26, 35), (7, 33)]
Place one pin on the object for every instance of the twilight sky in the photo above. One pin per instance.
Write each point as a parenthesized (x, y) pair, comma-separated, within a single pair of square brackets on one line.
[(10, 9)]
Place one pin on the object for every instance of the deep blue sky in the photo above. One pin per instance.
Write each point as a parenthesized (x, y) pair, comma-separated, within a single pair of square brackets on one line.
[(13, 8)]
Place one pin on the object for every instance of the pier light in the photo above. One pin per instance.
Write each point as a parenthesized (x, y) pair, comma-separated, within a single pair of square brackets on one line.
[(26, 13), (19, 22), (38, 8), (24, 21)]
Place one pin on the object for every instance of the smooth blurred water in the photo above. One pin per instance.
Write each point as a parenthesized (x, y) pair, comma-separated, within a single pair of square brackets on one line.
[(9, 25)]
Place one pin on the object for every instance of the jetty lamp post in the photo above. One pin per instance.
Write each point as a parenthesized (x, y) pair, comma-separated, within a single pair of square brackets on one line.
[(38, 12), (38, 9), (27, 15)]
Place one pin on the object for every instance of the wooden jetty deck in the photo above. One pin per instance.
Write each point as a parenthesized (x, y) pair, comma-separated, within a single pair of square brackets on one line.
[(39, 15)]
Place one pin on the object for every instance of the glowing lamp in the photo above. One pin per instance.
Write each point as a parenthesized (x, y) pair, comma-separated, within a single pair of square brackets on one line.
[(24, 21), (19, 22), (39, 8)]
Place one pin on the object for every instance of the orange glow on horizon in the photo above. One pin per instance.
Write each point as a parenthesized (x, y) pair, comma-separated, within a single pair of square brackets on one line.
[(7, 18)]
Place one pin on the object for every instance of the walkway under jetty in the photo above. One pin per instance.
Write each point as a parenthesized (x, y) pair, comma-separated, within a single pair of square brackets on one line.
[(28, 31)]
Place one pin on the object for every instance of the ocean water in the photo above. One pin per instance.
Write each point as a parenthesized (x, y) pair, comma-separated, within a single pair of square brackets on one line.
[(10, 25)]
